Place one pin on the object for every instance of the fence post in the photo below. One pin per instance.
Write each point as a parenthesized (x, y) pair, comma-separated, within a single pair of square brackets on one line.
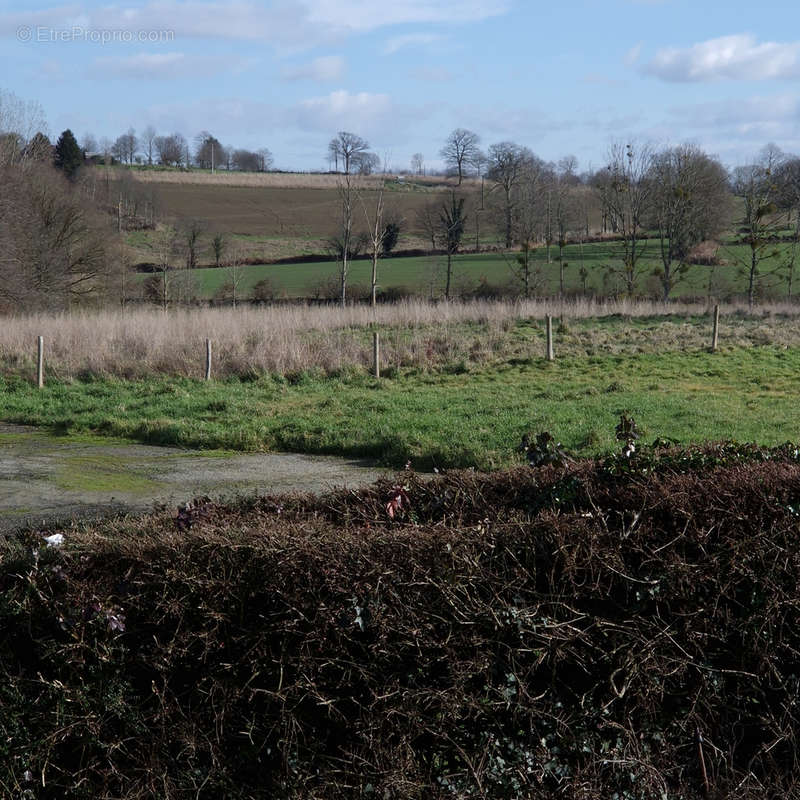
[(208, 359), (40, 364), (549, 326), (376, 354), (715, 334)]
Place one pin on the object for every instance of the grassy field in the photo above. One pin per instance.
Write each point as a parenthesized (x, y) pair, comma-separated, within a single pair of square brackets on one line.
[(457, 417), (425, 275)]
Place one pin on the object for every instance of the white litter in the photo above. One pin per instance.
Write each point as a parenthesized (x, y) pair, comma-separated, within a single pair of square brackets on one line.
[(56, 540)]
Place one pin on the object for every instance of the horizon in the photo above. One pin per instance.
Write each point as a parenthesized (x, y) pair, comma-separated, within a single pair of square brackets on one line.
[(288, 75)]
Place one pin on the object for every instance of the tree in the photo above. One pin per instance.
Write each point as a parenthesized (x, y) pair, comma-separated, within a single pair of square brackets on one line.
[(381, 236), (126, 146), (209, 153), (508, 165), (757, 187), (39, 148), (788, 180), (265, 159), (452, 220), (149, 143), (368, 163), (218, 246), (418, 164), (348, 148), (89, 143), (427, 223), (190, 231), (245, 160), (170, 149), (461, 152), (19, 121), (690, 201), (51, 240), (67, 156), (626, 193)]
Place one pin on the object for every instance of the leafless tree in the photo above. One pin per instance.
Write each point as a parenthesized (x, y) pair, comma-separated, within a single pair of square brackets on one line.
[(418, 164), (348, 148), (52, 251), (461, 152), (170, 149), (209, 152), (426, 221), (758, 190), (690, 204), (452, 223), (627, 193), (508, 165), (19, 122), (89, 143), (126, 146), (265, 159), (148, 141)]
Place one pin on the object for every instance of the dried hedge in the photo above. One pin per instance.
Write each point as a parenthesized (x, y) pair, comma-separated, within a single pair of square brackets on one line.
[(606, 629)]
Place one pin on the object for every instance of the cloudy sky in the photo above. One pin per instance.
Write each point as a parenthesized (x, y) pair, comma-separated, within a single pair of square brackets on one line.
[(560, 77)]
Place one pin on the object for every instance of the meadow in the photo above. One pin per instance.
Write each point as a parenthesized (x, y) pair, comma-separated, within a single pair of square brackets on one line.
[(460, 385)]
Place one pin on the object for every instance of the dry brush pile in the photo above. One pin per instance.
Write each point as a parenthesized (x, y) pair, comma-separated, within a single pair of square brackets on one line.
[(625, 628)]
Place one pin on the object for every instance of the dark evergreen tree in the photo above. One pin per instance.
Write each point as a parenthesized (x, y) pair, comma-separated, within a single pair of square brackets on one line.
[(68, 156)]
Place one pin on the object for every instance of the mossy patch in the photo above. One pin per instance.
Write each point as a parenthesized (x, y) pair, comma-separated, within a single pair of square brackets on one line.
[(102, 473)]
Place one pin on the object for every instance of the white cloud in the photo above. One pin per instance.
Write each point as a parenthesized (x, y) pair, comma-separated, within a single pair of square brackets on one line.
[(632, 56), (738, 57), (326, 68), (411, 40), (343, 110), (165, 66)]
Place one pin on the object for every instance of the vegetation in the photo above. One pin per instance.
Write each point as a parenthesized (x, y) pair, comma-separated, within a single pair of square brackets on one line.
[(459, 415), (625, 627)]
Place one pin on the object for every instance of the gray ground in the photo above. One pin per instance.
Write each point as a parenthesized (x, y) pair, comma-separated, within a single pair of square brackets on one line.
[(46, 479)]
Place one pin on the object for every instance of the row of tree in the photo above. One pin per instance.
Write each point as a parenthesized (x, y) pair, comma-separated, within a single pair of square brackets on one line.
[(174, 150)]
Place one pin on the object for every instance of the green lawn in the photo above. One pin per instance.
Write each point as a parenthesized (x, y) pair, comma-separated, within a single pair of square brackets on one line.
[(425, 275), (460, 418)]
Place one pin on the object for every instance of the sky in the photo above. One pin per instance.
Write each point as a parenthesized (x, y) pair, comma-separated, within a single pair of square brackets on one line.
[(562, 78)]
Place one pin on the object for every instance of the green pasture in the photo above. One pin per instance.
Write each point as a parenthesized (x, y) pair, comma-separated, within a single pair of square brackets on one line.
[(425, 275), (459, 417)]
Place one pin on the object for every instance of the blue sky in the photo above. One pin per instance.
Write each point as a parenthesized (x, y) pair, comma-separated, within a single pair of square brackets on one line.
[(559, 77)]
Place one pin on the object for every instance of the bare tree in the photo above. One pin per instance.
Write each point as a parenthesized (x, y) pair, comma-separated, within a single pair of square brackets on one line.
[(758, 190), (209, 152), (690, 204), (163, 245), (19, 122), (381, 234), (170, 149), (427, 223), (627, 193), (265, 159), (508, 165), (148, 141), (52, 245), (89, 143), (452, 220), (418, 164), (348, 148), (461, 152), (126, 146)]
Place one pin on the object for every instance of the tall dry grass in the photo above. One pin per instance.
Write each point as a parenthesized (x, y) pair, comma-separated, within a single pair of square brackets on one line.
[(287, 339)]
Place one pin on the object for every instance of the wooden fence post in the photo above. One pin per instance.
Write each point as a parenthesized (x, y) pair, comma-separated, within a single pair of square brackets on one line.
[(715, 334), (40, 364), (376, 354), (208, 359), (549, 326)]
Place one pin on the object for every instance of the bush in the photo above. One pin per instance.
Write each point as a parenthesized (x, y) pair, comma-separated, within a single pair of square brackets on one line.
[(560, 631)]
